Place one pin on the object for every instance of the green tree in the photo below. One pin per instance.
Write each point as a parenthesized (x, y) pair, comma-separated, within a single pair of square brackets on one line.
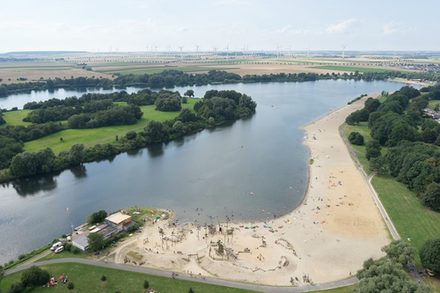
[(34, 277), (372, 149), (156, 132), (189, 93), (356, 138), (401, 252), (430, 255), (96, 241), (385, 275), (97, 217), (431, 197), (76, 154)]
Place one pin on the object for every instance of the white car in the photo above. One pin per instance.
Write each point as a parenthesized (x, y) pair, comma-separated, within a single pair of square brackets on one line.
[(56, 245), (59, 249)]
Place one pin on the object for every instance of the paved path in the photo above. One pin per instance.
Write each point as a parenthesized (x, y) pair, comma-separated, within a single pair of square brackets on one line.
[(208, 280)]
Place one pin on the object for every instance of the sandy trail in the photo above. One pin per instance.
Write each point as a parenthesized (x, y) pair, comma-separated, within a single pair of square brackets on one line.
[(327, 238)]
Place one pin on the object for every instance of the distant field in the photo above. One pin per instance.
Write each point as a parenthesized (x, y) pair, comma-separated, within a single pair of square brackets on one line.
[(353, 68), (414, 222), (143, 69), (10, 72), (93, 136), (87, 279)]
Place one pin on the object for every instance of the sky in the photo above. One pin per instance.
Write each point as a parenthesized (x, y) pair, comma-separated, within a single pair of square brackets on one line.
[(148, 25)]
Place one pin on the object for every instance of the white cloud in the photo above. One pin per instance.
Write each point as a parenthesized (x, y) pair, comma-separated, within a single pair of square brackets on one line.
[(342, 26), (389, 28)]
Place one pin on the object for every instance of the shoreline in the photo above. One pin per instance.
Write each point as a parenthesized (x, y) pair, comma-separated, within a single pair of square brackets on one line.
[(327, 237)]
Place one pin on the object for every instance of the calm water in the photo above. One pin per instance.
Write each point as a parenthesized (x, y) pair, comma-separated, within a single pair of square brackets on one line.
[(20, 99), (252, 170)]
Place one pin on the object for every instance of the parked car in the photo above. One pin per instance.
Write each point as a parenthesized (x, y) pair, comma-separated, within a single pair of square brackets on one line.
[(59, 249), (56, 245)]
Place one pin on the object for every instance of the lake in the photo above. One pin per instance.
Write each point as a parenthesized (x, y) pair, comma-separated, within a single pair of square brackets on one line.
[(252, 170)]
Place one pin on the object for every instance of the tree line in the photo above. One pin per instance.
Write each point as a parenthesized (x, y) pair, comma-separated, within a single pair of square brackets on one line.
[(210, 112), (52, 84), (172, 78), (412, 140)]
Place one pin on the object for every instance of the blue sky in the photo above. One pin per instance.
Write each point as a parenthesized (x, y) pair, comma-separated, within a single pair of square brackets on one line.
[(138, 25)]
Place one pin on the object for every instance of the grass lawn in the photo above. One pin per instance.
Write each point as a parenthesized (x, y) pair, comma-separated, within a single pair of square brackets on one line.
[(88, 279), (16, 117), (347, 289), (412, 220), (93, 136), (353, 68), (362, 128)]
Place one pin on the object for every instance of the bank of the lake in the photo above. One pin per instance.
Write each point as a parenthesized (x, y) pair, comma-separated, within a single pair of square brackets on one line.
[(253, 170)]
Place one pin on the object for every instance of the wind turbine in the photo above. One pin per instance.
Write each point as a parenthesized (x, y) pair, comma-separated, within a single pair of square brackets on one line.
[(343, 51), (181, 55), (197, 51)]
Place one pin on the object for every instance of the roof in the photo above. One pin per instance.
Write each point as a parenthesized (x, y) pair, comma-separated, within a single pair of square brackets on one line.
[(81, 240), (118, 218)]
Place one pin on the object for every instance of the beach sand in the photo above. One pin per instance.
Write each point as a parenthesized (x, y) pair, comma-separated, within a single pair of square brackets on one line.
[(327, 238)]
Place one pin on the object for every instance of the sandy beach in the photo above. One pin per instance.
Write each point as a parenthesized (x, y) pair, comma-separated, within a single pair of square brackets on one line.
[(327, 238)]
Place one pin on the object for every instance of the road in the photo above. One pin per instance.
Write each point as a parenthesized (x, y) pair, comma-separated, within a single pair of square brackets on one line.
[(207, 280)]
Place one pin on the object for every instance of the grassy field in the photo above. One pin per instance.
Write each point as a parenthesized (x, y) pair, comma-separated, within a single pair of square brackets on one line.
[(353, 68), (362, 128), (90, 137), (16, 117), (88, 279), (413, 221)]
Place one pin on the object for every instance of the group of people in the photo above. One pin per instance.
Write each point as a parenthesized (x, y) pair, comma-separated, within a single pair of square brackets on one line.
[(61, 279)]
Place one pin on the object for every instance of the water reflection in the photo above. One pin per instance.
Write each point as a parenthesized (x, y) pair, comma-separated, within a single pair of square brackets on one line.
[(26, 187), (79, 171), (155, 150)]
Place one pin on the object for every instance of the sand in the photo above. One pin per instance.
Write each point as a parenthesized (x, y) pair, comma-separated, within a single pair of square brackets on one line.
[(327, 238)]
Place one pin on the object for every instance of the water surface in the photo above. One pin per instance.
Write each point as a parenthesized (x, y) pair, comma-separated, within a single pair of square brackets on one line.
[(251, 170)]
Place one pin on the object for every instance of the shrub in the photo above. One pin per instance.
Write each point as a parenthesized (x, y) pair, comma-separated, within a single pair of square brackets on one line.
[(190, 290), (34, 277), (16, 288), (431, 197), (75, 250), (70, 286), (103, 278), (146, 284), (68, 247), (372, 149), (356, 138), (430, 255)]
